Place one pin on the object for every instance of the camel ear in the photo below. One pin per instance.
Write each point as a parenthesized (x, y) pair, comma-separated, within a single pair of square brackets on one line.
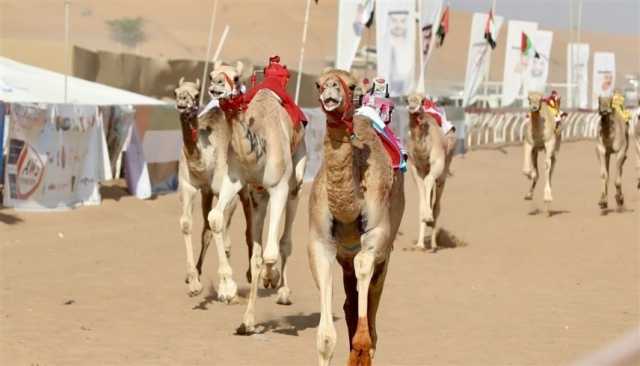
[(239, 67), (217, 64), (181, 81), (198, 84)]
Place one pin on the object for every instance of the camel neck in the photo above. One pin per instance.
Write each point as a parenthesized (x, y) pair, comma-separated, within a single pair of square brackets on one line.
[(189, 126), (342, 175)]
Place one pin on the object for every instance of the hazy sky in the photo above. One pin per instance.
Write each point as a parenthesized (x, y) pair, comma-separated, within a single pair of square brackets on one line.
[(603, 16)]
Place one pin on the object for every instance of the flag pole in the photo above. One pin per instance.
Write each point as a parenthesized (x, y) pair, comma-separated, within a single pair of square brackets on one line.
[(223, 38), (488, 67), (67, 4), (206, 59), (304, 41)]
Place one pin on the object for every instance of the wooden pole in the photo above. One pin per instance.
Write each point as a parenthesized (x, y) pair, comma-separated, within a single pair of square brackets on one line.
[(304, 41), (206, 59), (223, 38), (67, 56)]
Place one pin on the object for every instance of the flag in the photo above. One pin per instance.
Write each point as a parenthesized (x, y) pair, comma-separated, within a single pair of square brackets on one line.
[(489, 30), (526, 46), (443, 28)]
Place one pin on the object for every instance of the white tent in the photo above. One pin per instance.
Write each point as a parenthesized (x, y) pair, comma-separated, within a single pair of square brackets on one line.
[(29, 84)]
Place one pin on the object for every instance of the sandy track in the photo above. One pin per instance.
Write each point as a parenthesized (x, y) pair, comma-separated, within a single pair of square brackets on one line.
[(525, 290)]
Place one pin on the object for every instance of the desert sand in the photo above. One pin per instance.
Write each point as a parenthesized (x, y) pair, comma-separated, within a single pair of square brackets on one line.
[(105, 285)]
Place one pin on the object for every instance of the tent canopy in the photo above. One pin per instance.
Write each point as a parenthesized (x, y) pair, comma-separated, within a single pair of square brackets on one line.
[(28, 84)]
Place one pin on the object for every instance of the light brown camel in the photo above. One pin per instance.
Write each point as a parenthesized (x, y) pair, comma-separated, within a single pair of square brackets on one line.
[(197, 165), (430, 158), (613, 139), (541, 133), (355, 208), (260, 155)]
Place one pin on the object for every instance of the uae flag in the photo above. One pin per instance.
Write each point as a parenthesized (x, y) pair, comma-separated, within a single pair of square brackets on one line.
[(490, 30), (526, 46), (443, 28)]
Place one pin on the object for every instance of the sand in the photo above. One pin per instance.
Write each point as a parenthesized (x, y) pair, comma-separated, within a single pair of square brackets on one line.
[(104, 285)]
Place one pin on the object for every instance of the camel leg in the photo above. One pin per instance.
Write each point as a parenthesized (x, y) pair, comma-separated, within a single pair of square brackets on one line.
[(620, 156), (321, 258), (436, 214), (248, 320), (350, 306), (364, 267), (228, 215), (187, 193), (207, 235), (227, 288), (284, 293), (530, 169), (637, 144), (550, 161), (423, 206), (278, 197), (603, 159), (245, 199)]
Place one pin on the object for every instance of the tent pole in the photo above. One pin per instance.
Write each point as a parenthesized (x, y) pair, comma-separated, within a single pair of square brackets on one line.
[(67, 3), (304, 41), (206, 59)]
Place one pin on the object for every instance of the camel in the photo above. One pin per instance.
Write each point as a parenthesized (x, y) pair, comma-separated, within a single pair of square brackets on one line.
[(259, 155), (355, 208), (541, 133), (430, 159), (197, 164), (613, 139)]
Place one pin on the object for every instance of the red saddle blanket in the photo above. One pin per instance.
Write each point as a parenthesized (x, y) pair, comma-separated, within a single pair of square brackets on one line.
[(275, 85)]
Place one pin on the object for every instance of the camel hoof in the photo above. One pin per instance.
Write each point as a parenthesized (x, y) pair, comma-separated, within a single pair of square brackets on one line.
[(228, 292), (620, 201), (528, 197), (420, 246), (245, 330), (434, 249), (195, 288), (603, 205), (284, 296)]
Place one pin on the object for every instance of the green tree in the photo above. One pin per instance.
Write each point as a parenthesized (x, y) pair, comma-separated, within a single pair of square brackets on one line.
[(127, 31)]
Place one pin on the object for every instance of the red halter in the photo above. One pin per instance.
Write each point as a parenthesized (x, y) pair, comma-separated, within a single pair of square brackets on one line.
[(348, 121)]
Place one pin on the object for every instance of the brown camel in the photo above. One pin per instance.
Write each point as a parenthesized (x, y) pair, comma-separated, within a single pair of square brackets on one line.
[(198, 162), (541, 133), (430, 158), (613, 139), (261, 154), (355, 208)]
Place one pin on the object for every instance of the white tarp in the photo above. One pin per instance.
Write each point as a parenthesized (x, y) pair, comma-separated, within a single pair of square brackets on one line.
[(429, 17), (516, 64), (22, 83), (57, 154), (479, 58), (538, 73), (604, 75), (578, 75), (352, 17), (396, 40)]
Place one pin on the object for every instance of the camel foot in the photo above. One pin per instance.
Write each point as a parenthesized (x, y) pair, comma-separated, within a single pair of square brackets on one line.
[(528, 197), (270, 278), (434, 249), (603, 205), (620, 201), (193, 282), (245, 329), (227, 292), (284, 296), (420, 246)]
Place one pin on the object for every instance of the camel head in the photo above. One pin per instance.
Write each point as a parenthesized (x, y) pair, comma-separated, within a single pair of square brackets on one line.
[(535, 101), (224, 80), (338, 89), (605, 105), (414, 102), (187, 95)]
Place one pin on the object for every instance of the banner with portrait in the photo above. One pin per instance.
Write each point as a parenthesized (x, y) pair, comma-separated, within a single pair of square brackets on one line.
[(578, 75), (353, 16), (516, 63), (396, 40), (479, 58), (604, 76), (538, 73)]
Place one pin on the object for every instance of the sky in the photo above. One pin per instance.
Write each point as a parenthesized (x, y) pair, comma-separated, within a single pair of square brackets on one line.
[(602, 16)]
